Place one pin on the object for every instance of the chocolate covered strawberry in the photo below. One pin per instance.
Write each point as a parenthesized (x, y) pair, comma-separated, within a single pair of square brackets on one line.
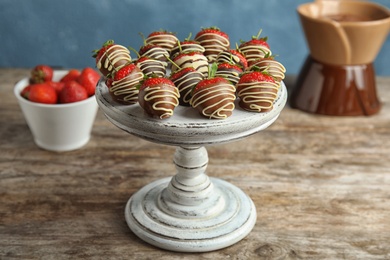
[(187, 45), (194, 60), (185, 80), (233, 56), (163, 39), (151, 66), (257, 91), (229, 71), (154, 51), (214, 41), (255, 48), (214, 97), (111, 57), (270, 65), (158, 97), (41, 73), (123, 86)]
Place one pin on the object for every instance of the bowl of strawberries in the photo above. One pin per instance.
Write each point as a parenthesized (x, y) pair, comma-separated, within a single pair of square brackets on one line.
[(59, 106)]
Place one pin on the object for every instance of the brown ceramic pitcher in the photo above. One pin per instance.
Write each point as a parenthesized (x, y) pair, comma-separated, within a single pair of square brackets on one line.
[(344, 38)]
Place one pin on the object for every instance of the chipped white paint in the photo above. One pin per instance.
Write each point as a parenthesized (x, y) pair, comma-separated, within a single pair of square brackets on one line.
[(189, 212)]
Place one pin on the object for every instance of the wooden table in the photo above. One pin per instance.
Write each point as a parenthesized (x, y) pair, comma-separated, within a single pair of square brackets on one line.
[(321, 186)]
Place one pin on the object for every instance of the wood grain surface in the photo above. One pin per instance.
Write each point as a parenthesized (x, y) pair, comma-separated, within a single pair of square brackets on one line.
[(321, 186)]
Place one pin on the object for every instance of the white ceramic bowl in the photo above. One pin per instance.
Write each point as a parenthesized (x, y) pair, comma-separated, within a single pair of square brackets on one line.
[(58, 127)]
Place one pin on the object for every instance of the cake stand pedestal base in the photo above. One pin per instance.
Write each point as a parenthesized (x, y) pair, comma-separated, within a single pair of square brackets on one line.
[(190, 212)]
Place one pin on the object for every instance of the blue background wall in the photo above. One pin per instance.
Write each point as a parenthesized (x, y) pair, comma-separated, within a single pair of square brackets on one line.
[(63, 33)]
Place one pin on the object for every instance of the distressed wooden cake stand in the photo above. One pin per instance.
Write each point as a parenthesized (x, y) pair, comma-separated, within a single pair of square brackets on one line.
[(189, 212)]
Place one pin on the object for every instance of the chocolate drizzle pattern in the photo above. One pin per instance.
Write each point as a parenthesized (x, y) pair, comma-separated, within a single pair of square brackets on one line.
[(125, 90), (257, 96), (228, 57), (188, 47), (114, 58), (232, 75), (157, 53), (215, 102), (185, 84), (162, 100), (273, 67), (151, 66), (213, 44), (166, 41), (198, 61), (254, 52)]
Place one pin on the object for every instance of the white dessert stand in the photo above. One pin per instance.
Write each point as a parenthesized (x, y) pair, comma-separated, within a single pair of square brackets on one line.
[(189, 212)]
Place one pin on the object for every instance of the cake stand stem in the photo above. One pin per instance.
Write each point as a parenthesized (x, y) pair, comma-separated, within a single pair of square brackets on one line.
[(190, 212)]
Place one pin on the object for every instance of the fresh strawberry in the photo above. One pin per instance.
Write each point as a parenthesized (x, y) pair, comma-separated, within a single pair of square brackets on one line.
[(185, 80), (26, 92), (57, 85), (214, 41), (111, 57), (255, 48), (158, 97), (43, 93), (163, 38), (72, 74), (88, 79), (214, 97), (229, 71), (123, 87), (257, 91), (41, 73), (72, 92)]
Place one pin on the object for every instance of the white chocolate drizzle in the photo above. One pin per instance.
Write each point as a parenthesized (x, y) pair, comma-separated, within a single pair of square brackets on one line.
[(157, 53), (259, 95), (112, 55), (232, 76), (223, 93), (228, 57), (197, 61), (254, 52), (213, 45), (166, 41), (185, 84), (150, 67), (127, 87), (168, 96), (273, 67), (189, 47)]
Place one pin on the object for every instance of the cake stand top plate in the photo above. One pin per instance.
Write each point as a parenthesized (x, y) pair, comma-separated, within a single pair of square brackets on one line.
[(187, 127)]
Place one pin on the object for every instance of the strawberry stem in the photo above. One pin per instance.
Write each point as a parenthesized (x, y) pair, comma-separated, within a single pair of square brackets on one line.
[(168, 58), (134, 50), (212, 70), (258, 35)]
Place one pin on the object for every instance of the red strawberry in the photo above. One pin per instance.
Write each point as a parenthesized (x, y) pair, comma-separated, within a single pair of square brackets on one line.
[(72, 92), (41, 73), (234, 57), (43, 93), (111, 57), (57, 85), (88, 79), (158, 97), (26, 92), (163, 39), (214, 97), (255, 48), (185, 80), (229, 71), (257, 91), (123, 87), (72, 74), (214, 41)]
